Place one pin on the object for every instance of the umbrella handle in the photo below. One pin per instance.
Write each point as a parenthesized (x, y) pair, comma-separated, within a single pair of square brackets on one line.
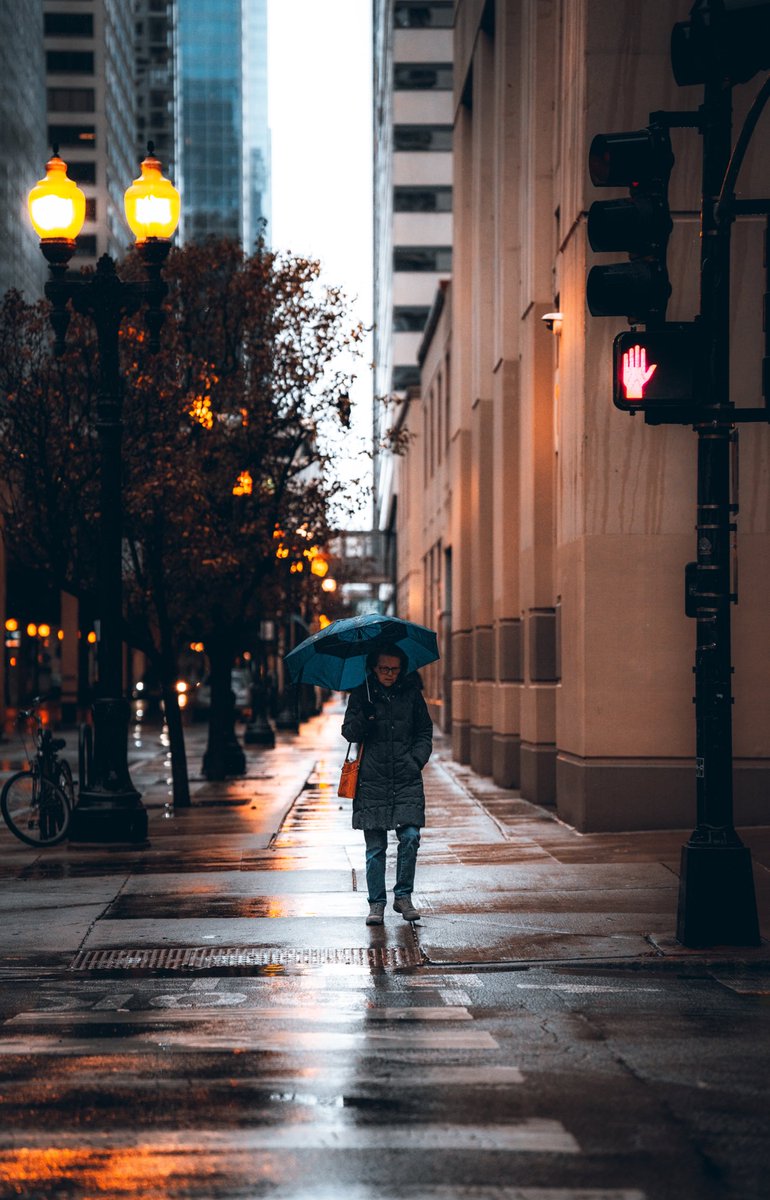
[(368, 693)]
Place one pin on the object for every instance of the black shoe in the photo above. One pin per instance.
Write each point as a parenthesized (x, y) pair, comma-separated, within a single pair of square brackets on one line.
[(403, 905)]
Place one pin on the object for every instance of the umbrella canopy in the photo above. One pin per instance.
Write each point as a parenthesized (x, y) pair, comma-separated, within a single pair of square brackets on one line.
[(336, 657)]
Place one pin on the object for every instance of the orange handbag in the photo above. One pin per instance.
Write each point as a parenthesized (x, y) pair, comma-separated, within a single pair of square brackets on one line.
[(349, 775)]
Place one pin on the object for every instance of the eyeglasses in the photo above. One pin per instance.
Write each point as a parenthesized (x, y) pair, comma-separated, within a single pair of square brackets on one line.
[(388, 670)]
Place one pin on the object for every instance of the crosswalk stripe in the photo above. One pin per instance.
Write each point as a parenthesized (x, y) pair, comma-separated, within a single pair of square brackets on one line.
[(586, 987), (280, 1040), (174, 1011), (319, 1081), (534, 1135)]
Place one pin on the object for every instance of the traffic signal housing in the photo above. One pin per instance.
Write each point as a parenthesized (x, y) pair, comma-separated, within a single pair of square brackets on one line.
[(660, 372), (639, 224), (725, 41)]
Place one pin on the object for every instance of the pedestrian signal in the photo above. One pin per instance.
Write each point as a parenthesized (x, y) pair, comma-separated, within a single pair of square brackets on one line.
[(659, 370)]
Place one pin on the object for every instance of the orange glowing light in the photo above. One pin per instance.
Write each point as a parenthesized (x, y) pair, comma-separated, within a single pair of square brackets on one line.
[(636, 373), (319, 567), (92, 638), (12, 662), (245, 484), (31, 630), (44, 630), (60, 635), (323, 621), (11, 624), (200, 411), (329, 585)]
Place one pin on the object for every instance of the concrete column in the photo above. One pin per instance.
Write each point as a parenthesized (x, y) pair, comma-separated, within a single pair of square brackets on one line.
[(537, 434)]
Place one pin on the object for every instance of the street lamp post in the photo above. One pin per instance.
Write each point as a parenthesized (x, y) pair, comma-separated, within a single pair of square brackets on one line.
[(109, 807)]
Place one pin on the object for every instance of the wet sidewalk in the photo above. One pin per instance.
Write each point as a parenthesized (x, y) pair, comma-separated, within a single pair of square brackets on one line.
[(265, 871)]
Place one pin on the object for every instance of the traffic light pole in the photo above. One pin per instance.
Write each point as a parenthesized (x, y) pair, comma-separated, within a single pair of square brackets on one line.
[(717, 903)]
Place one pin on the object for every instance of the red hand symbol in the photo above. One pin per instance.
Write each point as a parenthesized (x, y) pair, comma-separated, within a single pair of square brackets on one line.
[(636, 373)]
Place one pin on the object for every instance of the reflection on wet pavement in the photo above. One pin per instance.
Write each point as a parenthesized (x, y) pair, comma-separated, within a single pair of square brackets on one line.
[(225, 1026)]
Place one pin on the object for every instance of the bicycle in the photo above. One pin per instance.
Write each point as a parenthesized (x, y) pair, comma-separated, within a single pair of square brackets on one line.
[(37, 803)]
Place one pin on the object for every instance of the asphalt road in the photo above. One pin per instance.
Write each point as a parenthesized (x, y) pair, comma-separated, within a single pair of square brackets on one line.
[(209, 1018), (533, 1084)]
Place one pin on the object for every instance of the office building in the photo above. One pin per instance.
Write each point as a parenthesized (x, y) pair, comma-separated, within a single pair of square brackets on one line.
[(412, 203), (542, 532), (224, 137), (91, 110), (156, 80), (22, 143)]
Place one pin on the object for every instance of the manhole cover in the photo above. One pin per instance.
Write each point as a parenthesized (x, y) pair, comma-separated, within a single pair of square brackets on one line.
[(202, 958)]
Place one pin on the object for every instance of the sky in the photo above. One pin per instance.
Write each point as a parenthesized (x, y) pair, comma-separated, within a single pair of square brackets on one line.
[(319, 103)]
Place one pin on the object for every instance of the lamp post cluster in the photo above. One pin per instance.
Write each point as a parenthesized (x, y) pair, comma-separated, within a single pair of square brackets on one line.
[(109, 808)]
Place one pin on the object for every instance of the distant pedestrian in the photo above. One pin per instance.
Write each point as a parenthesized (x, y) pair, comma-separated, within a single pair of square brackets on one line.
[(387, 713)]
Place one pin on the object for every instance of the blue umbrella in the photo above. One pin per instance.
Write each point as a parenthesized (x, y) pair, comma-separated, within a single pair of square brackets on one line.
[(335, 657)]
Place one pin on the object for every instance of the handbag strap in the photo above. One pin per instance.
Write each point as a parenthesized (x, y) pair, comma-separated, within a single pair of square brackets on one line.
[(359, 754)]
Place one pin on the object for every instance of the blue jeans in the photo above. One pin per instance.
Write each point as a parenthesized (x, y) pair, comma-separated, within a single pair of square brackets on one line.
[(376, 846)]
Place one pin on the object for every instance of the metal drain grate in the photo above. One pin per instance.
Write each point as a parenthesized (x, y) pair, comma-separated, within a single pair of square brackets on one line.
[(202, 958)]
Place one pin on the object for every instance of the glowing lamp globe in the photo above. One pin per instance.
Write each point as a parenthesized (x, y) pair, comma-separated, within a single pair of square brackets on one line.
[(152, 203), (57, 207)]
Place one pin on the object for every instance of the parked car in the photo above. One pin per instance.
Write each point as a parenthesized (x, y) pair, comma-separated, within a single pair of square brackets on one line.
[(240, 682)]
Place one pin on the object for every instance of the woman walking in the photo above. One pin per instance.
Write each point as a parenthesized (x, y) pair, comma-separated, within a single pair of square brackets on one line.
[(389, 716)]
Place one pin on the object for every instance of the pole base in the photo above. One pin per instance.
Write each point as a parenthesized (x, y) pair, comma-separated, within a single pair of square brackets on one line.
[(288, 721), (107, 821), (260, 733), (717, 903), (223, 761)]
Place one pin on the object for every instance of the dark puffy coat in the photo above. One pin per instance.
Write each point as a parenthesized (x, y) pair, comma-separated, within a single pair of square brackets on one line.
[(397, 744)]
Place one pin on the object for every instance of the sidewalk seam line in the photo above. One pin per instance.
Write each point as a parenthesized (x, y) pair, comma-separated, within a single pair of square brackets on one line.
[(292, 802)]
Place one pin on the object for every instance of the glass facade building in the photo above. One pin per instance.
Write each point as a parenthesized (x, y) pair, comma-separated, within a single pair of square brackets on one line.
[(224, 144), (23, 146)]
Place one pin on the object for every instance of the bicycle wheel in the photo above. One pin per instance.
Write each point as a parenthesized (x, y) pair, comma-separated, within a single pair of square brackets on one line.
[(35, 810), (64, 780)]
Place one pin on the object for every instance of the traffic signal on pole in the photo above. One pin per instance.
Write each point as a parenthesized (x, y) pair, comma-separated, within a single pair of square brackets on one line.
[(724, 41), (639, 224), (659, 371)]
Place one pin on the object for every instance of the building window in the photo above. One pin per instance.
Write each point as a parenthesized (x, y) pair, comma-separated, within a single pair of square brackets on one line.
[(72, 135), (69, 62), (71, 100), (421, 77), (82, 172), (410, 14), (422, 137), (90, 208), (405, 377), (86, 245), (422, 258), (69, 25), (422, 199), (409, 319)]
